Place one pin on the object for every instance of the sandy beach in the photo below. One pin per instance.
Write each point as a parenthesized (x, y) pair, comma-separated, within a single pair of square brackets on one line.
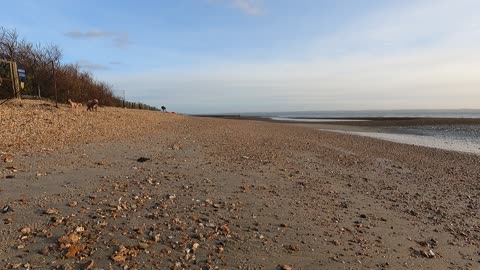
[(130, 189)]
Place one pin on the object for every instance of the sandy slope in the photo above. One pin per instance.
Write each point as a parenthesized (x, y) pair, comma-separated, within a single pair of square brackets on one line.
[(234, 195)]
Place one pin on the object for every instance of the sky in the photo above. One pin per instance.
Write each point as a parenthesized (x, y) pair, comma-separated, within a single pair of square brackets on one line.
[(221, 56)]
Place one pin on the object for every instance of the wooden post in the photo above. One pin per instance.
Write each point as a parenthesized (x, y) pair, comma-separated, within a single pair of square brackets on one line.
[(16, 81), (55, 85), (12, 78)]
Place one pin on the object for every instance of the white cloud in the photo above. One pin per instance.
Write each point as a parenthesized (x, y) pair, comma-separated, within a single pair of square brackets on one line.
[(251, 7)]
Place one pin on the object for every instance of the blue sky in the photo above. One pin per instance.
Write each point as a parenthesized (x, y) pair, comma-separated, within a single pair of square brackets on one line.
[(207, 56)]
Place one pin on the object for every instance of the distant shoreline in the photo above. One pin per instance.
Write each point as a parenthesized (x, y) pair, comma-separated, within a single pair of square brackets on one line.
[(355, 121)]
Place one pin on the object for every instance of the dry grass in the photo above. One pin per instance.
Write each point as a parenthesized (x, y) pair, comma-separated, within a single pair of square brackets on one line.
[(36, 125)]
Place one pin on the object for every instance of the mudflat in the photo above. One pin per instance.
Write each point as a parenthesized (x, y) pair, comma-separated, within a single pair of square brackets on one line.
[(129, 189)]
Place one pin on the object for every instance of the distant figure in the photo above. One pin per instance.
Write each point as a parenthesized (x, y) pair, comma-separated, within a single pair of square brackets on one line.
[(164, 109), (74, 105), (92, 105)]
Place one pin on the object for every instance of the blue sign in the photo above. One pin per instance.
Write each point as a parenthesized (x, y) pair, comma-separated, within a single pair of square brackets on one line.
[(22, 74)]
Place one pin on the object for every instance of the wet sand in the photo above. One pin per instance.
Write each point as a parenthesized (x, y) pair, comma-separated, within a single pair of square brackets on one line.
[(234, 195)]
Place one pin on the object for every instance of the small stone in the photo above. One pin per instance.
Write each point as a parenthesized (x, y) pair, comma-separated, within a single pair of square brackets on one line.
[(44, 251), (26, 230), (7, 209), (89, 265), (429, 254), (73, 204), (142, 159), (22, 246), (293, 248), (143, 245), (286, 267), (51, 211)]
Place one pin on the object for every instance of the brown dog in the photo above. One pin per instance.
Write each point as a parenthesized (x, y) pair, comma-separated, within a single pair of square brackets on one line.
[(92, 105), (74, 105)]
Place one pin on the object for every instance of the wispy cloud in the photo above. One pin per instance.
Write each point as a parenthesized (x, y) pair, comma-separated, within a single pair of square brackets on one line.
[(119, 39), (85, 64), (252, 7)]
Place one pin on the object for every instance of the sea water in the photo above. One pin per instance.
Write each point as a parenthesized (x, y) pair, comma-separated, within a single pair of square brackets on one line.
[(461, 138)]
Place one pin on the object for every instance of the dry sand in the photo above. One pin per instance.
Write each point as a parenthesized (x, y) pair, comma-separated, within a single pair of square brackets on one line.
[(225, 194)]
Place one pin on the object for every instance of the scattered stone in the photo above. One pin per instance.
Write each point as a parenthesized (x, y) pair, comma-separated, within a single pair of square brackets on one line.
[(7, 209), (89, 265), (143, 245), (286, 267), (73, 204), (293, 247), (74, 250), (142, 159), (44, 251), (428, 254), (51, 211), (26, 231)]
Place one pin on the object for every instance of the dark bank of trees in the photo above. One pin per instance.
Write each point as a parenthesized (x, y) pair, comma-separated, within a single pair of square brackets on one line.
[(42, 61)]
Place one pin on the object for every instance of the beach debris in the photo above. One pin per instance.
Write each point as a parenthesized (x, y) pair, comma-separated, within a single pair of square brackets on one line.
[(26, 231), (44, 251), (286, 267), (7, 209), (51, 211), (293, 247), (88, 265), (123, 253), (74, 250), (143, 245), (428, 253), (73, 203), (142, 159), (68, 240)]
